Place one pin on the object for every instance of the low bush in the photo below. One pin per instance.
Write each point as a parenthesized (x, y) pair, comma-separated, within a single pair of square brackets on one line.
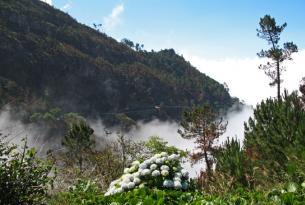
[(24, 179)]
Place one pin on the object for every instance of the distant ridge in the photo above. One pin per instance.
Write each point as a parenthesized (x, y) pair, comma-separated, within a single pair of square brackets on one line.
[(61, 63)]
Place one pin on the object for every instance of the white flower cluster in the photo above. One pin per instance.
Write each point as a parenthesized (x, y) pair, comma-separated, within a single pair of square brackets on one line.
[(162, 170)]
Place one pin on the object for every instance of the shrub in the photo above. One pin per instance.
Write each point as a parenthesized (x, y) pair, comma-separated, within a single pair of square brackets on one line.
[(24, 179), (231, 159)]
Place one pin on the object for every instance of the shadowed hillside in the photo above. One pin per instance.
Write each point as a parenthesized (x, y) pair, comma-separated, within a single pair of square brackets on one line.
[(58, 62)]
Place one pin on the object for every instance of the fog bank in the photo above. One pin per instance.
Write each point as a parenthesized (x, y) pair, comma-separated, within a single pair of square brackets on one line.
[(38, 136)]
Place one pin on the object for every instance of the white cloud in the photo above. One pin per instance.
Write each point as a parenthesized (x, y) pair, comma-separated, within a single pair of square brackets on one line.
[(67, 6), (245, 80), (47, 1), (114, 19)]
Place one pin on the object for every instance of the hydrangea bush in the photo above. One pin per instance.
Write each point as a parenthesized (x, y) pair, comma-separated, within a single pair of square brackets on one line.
[(160, 171)]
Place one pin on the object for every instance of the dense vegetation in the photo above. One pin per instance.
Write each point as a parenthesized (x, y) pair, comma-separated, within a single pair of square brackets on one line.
[(49, 60), (57, 62), (268, 169), (289, 194)]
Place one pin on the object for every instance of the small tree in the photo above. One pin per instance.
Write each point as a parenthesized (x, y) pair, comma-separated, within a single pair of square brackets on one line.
[(302, 90), (271, 32), (156, 145), (128, 42), (128, 149), (78, 141), (203, 125)]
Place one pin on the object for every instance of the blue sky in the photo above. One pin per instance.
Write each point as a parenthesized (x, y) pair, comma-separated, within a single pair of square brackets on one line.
[(211, 28)]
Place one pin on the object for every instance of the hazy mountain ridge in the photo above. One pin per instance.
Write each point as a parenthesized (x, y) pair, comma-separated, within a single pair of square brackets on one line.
[(64, 64)]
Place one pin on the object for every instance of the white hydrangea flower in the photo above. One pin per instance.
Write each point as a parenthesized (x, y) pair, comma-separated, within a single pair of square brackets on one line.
[(135, 163), (136, 175), (119, 190), (159, 161), (153, 159), (163, 154), (177, 184), (127, 178), (164, 167), (153, 167), (137, 181), (142, 185), (143, 166), (145, 172), (132, 169), (177, 179), (158, 156), (124, 186), (126, 170), (155, 173), (164, 173), (131, 185), (168, 183), (164, 159), (174, 157), (178, 174), (113, 183)]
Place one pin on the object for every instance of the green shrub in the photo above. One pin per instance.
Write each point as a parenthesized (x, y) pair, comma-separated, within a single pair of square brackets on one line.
[(24, 179), (232, 161)]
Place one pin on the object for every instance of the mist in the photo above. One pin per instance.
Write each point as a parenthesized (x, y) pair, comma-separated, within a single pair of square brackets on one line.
[(169, 132), (38, 137)]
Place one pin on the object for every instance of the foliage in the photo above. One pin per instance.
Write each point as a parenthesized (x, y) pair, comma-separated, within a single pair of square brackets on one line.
[(302, 90), (205, 127), (271, 32), (51, 115), (286, 195), (79, 141), (232, 161), (128, 149), (24, 179), (157, 145), (274, 138), (101, 163)]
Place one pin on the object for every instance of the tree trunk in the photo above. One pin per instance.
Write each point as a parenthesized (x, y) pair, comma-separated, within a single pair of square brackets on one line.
[(278, 80), (206, 158), (81, 164)]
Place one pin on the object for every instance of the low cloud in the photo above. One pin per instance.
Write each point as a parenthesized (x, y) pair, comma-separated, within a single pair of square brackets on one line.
[(47, 1), (114, 19), (245, 80), (169, 132)]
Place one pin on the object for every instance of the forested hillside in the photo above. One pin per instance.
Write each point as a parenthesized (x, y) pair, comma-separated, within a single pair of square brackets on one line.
[(49, 60)]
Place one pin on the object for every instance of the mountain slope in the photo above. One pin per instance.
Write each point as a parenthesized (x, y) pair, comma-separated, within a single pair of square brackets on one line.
[(64, 64)]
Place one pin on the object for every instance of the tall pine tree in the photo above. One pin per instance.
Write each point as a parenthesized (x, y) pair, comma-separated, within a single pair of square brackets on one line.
[(271, 32)]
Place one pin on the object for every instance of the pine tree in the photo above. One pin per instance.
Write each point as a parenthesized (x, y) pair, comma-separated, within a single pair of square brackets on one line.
[(203, 125), (276, 132), (271, 32), (78, 141)]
